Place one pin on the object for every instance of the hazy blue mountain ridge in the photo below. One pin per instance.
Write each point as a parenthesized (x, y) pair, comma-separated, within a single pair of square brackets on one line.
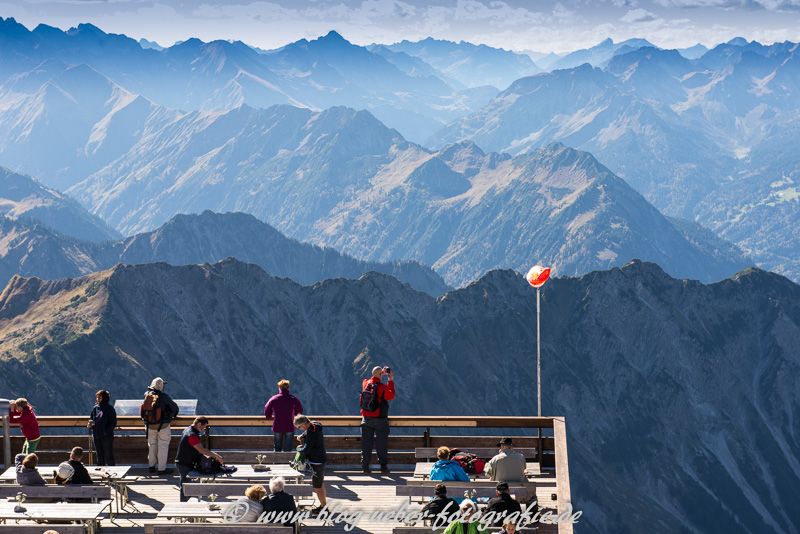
[(340, 178), (22, 197), (30, 249), (715, 146)]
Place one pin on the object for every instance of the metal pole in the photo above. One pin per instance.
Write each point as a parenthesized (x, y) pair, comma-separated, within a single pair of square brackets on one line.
[(538, 355), (6, 442)]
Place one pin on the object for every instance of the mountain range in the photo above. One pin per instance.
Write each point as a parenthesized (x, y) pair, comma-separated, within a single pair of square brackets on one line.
[(340, 178), (192, 75), (679, 397), (710, 140), (22, 197), (32, 250)]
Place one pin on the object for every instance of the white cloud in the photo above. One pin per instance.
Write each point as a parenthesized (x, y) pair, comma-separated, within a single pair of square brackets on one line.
[(638, 15)]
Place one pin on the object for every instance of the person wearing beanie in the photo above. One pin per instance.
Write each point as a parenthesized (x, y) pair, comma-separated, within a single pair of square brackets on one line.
[(158, 434)]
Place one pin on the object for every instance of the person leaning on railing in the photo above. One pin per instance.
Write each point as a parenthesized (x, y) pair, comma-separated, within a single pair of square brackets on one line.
[(190, 451), (19, 411)]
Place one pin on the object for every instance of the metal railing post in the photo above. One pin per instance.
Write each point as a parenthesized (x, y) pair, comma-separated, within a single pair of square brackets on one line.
[(6, 442)]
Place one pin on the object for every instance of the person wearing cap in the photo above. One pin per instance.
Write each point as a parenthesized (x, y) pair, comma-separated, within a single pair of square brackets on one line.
[(64, 473), (282, 408), (375, 424), (440, 503), (158, 436), (508, 465), (503, 505)]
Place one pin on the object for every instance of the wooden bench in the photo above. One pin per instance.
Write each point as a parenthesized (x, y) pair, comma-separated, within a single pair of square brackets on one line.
[(237, 528), (232, 489), (39, 529), (53, 491), (540, 529), (480, 452), (458, 490)]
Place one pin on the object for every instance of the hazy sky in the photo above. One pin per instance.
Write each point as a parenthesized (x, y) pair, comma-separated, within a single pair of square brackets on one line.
[(515, 24)]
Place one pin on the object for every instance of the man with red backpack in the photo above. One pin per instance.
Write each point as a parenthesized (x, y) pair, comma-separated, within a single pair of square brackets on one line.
[(375, 397)]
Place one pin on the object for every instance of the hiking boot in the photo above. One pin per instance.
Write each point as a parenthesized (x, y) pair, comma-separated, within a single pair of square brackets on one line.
[(167, 471), (317, 510), (366, 470), (152, 469), (385, 469)]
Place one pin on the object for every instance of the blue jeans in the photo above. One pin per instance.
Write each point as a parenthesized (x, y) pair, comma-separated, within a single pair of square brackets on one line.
[(183, 471), (284, 441)]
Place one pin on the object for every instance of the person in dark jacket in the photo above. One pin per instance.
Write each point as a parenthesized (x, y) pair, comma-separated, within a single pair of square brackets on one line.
[(103, 421), (282, 408), (190, 451), (81, 475), (502, 505), (158, 435), (27, 474), (278, 501), (375, 423), (312, 444), (441, 503)]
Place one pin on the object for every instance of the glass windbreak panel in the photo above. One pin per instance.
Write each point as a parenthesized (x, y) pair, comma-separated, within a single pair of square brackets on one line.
[(188, 407)]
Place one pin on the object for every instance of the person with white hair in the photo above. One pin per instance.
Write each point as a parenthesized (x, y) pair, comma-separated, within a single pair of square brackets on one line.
[(465, 525), (278, 500)]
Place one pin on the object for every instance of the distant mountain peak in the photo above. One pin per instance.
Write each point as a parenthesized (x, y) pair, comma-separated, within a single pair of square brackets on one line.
[(738, 41)]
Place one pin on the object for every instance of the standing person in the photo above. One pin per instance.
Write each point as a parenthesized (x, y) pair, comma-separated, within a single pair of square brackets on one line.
[(158, 434), (190, 450), (508, 465), (102, 421), (312, 444), (283, 407), (375, 397), (21, 412)]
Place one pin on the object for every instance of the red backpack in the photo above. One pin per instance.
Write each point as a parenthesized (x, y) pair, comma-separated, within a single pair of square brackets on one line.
[(470, 463), (150, 409)]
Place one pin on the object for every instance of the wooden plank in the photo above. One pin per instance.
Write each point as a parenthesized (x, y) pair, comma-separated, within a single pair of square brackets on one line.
[(529, 486), (562, 474), (462, 489), (68, 491), (231, 489), (486, 453), (327, 420), (39, 529), (238, 528), (419, 530)]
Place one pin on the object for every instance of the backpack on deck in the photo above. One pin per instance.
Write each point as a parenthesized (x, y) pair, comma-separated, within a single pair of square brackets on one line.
[(150, 409), (369, 397), (470, 463)]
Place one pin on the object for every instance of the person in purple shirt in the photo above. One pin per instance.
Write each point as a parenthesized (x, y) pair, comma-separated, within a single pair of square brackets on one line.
[(282, 408)]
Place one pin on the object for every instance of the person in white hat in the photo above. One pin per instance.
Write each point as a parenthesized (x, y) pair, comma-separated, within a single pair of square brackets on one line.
[(158, 432)]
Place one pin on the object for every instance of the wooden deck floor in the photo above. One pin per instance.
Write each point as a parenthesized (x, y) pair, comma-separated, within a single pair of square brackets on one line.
[(348, 488)]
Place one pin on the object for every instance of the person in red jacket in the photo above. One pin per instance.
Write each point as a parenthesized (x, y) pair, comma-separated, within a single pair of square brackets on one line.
[(21, 412), (375, 397)]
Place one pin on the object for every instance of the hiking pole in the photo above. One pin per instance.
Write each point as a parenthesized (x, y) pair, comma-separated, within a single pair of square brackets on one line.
[(91, 444)]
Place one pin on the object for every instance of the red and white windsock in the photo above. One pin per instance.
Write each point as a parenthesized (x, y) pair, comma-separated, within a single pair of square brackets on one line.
[(537, 276)]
